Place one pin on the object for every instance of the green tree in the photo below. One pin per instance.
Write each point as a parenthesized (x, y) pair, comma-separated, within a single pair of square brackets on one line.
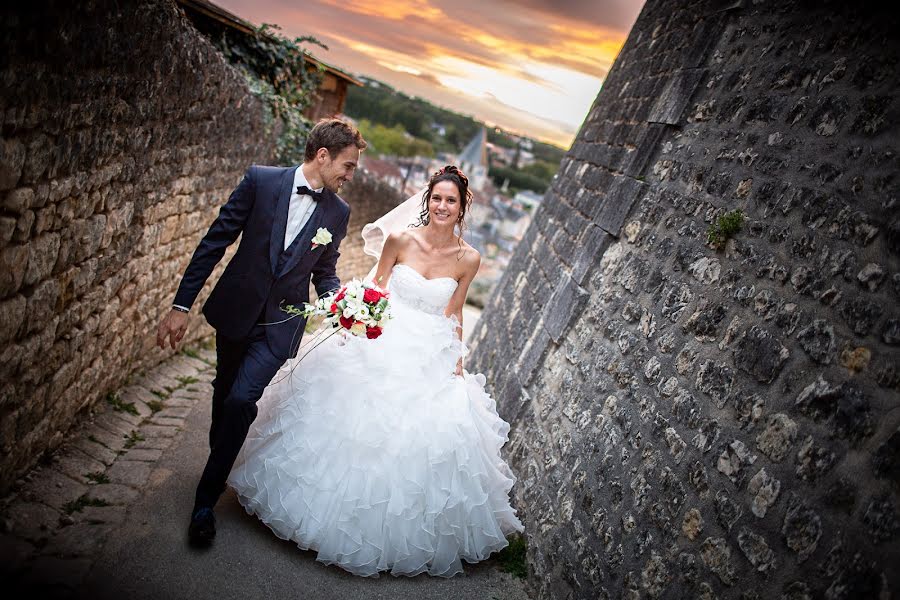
[(498, 137), (541, 169), (380, 103), (518, 180), (394, 140), (547, 152)]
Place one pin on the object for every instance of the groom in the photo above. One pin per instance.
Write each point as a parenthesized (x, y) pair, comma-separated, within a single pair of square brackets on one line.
[(291, 222)]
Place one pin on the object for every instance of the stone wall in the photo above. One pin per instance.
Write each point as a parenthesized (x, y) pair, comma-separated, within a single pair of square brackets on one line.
[(123, 130), (694, 423)]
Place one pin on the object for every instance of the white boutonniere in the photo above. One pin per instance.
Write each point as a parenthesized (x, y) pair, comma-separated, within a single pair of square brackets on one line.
[(322, 238)]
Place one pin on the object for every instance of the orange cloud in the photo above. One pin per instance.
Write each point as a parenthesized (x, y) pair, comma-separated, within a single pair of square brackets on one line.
[(394, 10), (526, 65)]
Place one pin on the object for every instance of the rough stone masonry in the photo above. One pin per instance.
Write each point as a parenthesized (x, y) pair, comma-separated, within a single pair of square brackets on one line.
[(122, 130), (694, 423)]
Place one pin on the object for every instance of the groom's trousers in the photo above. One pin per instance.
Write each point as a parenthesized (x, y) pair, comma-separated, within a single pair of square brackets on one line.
[(243, 370)]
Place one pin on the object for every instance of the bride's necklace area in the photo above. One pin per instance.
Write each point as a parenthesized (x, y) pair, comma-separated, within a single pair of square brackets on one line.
[(434, 249), (432, 252), (439, 251)]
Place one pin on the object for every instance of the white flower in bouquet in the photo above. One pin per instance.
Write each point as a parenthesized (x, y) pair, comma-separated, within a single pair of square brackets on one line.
[(360, 308)]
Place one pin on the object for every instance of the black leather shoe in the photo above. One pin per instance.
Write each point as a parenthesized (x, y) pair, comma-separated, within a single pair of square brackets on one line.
[(202, 529)]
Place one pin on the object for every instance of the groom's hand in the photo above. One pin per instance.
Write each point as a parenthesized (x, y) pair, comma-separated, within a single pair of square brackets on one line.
[(173, 326)]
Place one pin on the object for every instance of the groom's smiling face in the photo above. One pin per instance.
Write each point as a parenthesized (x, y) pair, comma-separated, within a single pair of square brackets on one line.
[(339, 169)]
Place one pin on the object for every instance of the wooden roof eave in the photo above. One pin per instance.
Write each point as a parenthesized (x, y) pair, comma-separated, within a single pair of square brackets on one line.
[(225, 17)]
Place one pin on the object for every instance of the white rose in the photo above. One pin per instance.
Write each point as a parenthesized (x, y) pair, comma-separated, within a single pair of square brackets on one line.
[(322, 237)]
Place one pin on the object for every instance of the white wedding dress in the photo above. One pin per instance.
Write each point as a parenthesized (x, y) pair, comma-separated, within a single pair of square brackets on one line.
[(374, 454)]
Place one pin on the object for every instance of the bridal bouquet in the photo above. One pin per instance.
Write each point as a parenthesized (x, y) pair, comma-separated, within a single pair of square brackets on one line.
[(361, 308)]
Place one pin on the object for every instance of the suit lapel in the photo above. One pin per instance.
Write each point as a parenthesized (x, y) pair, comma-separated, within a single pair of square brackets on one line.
[(279, 223), (303, 243)]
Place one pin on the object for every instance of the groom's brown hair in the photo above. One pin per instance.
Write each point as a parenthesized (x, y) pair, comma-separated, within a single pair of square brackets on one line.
[(334, 135)]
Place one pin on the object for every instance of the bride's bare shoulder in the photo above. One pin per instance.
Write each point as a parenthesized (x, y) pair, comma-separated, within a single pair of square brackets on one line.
[(470, 259), (399, 239)]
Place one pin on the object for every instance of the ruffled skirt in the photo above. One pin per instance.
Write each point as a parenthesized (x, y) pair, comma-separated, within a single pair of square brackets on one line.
[(374, 454)]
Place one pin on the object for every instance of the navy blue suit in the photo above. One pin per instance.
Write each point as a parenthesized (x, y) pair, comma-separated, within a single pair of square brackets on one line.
[(253, 337)]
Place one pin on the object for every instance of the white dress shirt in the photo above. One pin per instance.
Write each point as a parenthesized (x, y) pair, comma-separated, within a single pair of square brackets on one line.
[(300, 208)]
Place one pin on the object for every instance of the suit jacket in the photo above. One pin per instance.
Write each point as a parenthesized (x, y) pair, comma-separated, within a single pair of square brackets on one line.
[(260, 278)]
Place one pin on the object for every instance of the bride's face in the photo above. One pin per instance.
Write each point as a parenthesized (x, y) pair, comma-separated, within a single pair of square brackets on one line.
[(443, 205)]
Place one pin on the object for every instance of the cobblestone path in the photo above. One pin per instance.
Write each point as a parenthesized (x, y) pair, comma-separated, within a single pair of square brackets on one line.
[(106, 515)]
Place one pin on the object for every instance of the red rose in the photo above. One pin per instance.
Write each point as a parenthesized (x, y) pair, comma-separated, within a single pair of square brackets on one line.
[(372, 296), (333, 308), (347, 323), (373, 332), (340, 295)]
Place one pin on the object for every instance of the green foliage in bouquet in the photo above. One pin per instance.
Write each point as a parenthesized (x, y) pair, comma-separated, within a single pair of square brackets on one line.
[(366, 306)]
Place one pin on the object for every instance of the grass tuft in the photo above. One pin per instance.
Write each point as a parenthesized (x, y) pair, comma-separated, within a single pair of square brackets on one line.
[(97, 477), (512, 558), (78, 505), (724, 228), (94, 439), (133, 438), (115, 401)]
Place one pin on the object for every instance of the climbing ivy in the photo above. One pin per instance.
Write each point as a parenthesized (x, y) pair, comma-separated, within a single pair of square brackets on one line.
[(279, 72)]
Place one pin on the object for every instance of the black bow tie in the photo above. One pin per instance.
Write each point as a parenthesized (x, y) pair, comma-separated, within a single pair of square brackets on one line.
[(302, 190)]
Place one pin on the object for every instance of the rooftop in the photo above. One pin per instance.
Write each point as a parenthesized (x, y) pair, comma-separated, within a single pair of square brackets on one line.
[(380, 168), (475, 153)]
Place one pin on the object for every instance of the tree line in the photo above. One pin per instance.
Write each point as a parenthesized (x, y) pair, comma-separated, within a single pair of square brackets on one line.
[(401, 125)]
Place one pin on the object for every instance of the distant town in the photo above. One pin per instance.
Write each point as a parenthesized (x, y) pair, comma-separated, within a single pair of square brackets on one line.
[(497, 219), (507, 173)]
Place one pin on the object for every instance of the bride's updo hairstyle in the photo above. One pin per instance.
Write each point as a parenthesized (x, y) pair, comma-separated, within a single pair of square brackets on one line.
[(448, 173)]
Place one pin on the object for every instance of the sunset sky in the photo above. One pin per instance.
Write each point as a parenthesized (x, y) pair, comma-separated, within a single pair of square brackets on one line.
[(530, 66)]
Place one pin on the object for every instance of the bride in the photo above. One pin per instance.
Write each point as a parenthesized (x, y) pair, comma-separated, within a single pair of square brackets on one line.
[(384, 454)]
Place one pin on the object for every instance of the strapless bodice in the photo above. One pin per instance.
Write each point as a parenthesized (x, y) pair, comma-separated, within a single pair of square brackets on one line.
[(411, 288)]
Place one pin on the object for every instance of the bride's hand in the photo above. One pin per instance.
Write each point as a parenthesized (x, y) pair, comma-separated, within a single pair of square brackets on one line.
[(459, 369)]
